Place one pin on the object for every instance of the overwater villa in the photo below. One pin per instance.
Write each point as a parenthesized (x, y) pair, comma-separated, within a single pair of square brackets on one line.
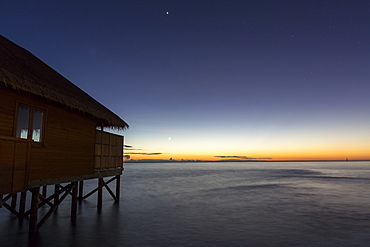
[(51, 134)]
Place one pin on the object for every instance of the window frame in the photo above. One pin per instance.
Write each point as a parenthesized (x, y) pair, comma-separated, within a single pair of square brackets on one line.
[(32, 109)]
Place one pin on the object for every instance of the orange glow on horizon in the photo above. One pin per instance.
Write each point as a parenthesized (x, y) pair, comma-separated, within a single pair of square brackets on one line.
[(290, 149), (304, 156)]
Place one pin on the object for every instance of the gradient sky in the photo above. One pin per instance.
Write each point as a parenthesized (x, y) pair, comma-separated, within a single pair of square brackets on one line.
[(199, 79)]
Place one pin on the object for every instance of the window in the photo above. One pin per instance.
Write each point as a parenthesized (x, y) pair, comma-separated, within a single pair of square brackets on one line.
[(37, 125), (23, 119), (30, 123)]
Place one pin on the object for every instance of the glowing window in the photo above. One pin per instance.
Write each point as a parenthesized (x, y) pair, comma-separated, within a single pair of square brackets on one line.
[(23, 122), (30, 123), (37, 125)]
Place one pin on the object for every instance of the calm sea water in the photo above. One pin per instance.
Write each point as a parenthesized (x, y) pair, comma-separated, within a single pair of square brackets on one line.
[(217, 204)]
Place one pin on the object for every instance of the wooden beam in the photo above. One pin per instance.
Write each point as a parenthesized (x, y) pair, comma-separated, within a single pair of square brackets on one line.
[(34, 209), (74, 201), (11, 209), (46, 200), (65, 188), (90, 193), (118, 186), (110, 180), (4, 200), (81, 190), (56, 193), (44, 190), (102, 145), (68, 189), (22, 204), (14, 201), (100, 193), (110, 191)]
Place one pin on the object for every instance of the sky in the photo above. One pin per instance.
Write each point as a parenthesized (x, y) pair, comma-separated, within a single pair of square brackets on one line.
[(214, 79)]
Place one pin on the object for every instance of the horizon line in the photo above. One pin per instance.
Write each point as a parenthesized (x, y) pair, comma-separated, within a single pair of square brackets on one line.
[(217, 161)]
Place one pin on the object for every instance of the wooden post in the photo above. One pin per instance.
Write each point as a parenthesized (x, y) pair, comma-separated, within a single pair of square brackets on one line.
[(100, 193), (118, 186), (81, 190), (22, 204), (56, 192), (102, 145), (74, 201), (34, 209), (14, 200), (44, 190)]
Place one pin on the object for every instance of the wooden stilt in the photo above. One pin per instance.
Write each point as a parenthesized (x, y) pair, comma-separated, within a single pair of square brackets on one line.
[(44, 191), (118, 186), (81, 190), (74, 201), (14, 201), (56, 193), (34, 210), (39, 199), (22, 204), (100, 193)]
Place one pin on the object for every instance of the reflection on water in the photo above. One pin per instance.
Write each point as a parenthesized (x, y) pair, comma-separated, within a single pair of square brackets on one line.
[(217, 204)]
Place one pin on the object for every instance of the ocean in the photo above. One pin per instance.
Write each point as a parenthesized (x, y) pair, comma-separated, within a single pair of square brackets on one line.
[(216, 204)]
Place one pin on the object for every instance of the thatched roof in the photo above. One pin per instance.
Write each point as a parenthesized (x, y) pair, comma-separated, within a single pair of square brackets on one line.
[(22, 71)]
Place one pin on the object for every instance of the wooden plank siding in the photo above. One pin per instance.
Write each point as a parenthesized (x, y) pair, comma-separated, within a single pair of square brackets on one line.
[(68, 148), (14, 166), (108, 151)]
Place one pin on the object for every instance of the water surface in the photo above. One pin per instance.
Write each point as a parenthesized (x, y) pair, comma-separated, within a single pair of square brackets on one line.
[(217, 204)]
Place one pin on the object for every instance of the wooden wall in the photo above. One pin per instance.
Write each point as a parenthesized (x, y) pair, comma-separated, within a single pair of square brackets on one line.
[(69, 137), (108, 151), (14, 156)]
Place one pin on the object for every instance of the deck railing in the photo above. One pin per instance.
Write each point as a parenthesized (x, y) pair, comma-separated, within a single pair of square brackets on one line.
[(108, 151), (14, 169)]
